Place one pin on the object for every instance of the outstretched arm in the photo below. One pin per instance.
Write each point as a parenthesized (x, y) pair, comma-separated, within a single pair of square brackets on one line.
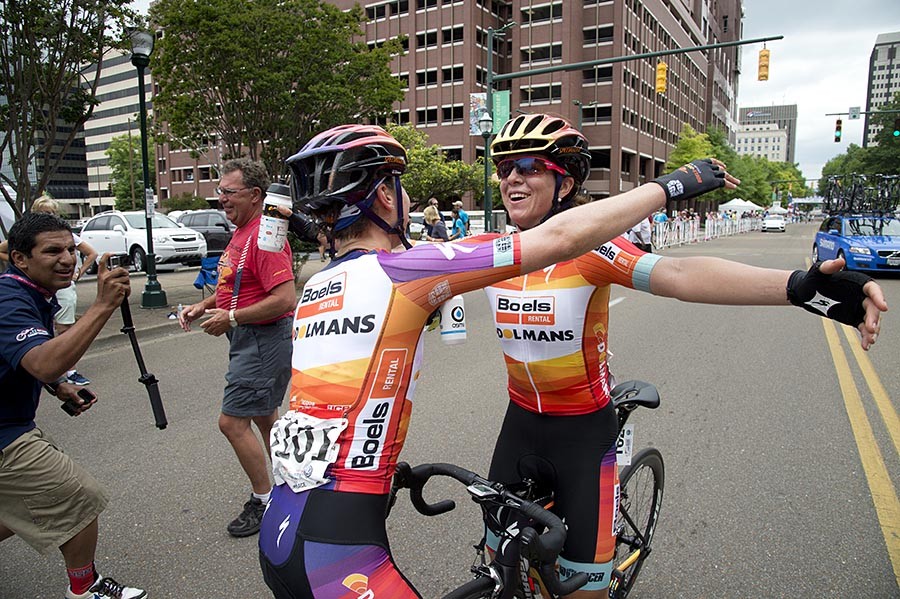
[(860, 300)]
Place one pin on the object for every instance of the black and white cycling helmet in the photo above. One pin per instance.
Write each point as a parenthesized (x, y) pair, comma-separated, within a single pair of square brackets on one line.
[(340, 169)]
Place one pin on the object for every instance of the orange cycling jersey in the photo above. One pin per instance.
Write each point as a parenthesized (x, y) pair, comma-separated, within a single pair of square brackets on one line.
[(552, 325), (357, 347)]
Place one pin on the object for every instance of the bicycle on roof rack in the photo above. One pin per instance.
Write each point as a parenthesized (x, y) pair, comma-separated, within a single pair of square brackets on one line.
[(531, 536)]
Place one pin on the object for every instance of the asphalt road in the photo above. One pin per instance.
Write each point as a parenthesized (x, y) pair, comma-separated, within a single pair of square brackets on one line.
[(766, 492)]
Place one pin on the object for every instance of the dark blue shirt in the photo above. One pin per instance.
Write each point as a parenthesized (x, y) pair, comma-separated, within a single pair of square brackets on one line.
[(26, 321)]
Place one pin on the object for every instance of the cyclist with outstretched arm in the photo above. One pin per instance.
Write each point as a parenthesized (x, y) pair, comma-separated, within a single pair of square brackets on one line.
[(560, 428), (357, 349)]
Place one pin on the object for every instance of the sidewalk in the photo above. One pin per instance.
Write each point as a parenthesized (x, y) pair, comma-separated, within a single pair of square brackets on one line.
[(178, 285)]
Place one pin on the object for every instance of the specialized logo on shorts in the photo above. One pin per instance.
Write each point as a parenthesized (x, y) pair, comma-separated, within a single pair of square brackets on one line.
[(371, 425), (336, 326), (31, 332), (359, 583), (532, 310), (326, 296)]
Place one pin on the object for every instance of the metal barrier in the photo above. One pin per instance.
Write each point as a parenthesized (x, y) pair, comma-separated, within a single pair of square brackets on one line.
[(678, 231)]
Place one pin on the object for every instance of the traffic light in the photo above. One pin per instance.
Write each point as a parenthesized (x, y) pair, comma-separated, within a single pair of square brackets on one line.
[(661, 70), (896, 133), (837, 131), (763, 71)]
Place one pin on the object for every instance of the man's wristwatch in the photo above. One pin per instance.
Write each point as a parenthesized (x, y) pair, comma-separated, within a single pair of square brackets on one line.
[(231, 319)]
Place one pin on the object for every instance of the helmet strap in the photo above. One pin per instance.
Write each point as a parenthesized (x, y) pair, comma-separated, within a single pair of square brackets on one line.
[(397, 228), (557, 206)]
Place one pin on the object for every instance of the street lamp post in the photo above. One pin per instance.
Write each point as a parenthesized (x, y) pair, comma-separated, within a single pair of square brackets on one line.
[(580, 114), (487, 120), (486, 126), (141, 48)]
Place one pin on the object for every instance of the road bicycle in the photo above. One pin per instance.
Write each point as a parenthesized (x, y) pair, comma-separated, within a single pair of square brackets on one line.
[(531, 536)]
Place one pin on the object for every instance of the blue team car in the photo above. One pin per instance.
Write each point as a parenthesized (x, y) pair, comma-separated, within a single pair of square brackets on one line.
[(866, 242)]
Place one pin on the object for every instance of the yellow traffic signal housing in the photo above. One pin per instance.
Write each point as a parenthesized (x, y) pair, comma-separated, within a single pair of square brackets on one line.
[(763, 72), (661, 70)]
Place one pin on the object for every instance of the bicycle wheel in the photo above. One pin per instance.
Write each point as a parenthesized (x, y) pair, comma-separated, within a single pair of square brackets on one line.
[(640, 498), (481, 587)]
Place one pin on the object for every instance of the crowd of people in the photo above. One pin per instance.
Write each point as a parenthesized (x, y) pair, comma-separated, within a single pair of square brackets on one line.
[(319, 491)]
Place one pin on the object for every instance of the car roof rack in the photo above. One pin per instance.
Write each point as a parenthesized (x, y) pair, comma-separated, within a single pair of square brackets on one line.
[(858, 193)]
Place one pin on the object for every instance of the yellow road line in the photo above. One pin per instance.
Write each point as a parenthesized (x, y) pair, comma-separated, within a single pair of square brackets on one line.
[(887, 507), (888, 413)]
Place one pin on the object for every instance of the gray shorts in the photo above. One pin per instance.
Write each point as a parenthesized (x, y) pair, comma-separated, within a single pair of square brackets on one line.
[(45, 497), (68, 299), (259, 368)]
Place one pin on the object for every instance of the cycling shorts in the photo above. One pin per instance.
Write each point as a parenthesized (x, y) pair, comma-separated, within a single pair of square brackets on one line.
[(309, 549), (575, 458)]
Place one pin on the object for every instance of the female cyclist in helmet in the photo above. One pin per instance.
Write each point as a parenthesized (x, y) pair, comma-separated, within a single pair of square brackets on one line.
[(560, 428), (357, 348)]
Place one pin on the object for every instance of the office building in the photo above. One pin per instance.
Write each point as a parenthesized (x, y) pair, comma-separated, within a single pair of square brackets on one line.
[(884, 79), (118, 113), (765, 140), (784, 117), (631, 128)]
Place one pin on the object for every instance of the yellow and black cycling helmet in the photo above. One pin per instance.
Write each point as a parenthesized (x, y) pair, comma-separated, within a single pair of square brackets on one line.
[(544, 135)]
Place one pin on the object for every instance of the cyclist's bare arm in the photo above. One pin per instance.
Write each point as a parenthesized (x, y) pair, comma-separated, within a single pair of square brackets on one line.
[(579, 230), (717, 281)]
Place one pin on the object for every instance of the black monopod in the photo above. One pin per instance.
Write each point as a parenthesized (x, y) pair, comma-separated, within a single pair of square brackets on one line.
[(147, 378)]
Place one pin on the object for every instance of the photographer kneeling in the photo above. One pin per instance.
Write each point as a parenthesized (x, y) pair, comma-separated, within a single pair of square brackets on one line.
[(46, 498)]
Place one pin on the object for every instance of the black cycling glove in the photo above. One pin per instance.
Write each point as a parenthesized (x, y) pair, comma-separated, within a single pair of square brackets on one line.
[(838, 296), (692, 179)]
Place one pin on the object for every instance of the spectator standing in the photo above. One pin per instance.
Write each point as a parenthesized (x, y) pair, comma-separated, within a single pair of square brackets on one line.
[(430, 216), (640, 235), (253, 305), (459, 229), (33, 471), (435, 224), (463, 215)]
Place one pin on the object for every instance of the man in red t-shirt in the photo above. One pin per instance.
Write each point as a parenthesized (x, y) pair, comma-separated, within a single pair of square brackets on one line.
[(253, 305)]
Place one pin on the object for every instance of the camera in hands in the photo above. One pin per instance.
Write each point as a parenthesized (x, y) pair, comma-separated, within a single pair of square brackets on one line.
[(117, 260)]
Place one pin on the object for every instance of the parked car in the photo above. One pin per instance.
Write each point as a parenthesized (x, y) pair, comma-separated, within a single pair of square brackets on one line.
[(866, 242), (215, 227), (773, 222), (126, 232)]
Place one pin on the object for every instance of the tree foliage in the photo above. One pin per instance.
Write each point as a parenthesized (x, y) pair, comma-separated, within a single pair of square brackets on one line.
[(48, 51), (262, 77), (759, 176), (430, 173), (126, 181)]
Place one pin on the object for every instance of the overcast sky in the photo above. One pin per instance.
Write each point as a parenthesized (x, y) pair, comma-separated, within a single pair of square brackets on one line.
[(821, 65)]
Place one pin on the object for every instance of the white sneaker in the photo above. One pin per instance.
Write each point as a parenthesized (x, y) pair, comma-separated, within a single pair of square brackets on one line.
[(107, 588)]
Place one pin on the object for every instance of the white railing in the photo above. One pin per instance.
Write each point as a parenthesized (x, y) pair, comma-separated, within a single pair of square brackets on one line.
[(679, 231)]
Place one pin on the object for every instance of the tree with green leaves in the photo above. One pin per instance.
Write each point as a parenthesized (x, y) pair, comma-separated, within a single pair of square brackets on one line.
[(263, 77), (883, 157), (126, 179), (691, 146), (430, 173), (48, 54)]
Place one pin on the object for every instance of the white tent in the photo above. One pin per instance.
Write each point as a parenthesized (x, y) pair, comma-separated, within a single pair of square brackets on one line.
[(777, 210), (738, 205)]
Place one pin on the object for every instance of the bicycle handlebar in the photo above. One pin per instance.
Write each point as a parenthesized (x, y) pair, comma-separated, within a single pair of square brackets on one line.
[(541, 548)]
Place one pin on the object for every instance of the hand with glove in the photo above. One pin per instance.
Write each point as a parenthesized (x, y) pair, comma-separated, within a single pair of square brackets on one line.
[(696, 178), (850, 298)]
